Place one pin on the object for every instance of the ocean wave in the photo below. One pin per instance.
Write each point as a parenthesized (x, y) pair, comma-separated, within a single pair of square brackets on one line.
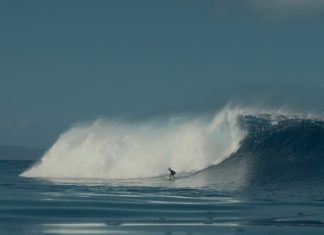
[(242, 146), (120, 150), (278, 150)]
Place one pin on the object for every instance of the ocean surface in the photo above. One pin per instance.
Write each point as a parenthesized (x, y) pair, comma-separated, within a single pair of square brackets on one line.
[(271, 182)]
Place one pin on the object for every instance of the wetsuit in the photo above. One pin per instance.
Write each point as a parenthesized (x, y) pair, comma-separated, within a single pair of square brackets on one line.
[(172, 173)]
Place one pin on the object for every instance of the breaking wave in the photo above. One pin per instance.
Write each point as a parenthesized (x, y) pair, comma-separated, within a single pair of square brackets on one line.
[(123, 150), (285, 151), (236, 146)]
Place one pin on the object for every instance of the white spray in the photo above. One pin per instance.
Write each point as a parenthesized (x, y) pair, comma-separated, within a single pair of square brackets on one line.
[(120, 150)]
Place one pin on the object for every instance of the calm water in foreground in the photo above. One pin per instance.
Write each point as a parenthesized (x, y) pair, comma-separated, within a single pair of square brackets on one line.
[(156, 206)]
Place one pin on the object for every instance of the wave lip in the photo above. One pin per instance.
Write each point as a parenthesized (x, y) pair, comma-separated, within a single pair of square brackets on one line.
[(281, 151), (119, 150)]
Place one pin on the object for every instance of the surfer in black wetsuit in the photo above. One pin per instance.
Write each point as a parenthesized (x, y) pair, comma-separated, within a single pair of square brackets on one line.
[(172, 173)]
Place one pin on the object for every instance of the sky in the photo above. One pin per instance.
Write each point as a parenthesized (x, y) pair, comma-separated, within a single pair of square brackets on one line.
[(62, 62)]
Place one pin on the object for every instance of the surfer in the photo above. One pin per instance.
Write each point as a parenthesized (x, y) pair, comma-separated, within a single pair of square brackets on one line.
[(172, 173)]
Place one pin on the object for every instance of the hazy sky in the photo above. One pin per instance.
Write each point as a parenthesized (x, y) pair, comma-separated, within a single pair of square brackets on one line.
[(62, 62)]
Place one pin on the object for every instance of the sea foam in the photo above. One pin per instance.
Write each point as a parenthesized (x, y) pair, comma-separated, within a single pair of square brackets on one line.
[(122, 150)]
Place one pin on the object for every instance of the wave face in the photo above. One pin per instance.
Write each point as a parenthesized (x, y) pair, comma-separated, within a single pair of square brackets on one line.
[(119, 150), (236, 148), (278, 150), (290, 151)]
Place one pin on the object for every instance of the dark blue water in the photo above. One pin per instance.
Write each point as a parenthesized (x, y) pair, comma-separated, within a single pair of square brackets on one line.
[(273, 184), (38, 206)]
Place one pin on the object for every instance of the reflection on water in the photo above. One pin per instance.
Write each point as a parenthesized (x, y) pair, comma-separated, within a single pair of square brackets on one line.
[(94, 228), (155, 213), (37, 206)]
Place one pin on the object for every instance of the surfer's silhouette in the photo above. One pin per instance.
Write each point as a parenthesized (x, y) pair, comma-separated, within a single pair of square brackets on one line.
[(172, 173)]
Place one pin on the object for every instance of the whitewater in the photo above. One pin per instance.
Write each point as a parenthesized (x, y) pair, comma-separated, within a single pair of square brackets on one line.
[(240, 171), (245, 147), (119, 150)]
